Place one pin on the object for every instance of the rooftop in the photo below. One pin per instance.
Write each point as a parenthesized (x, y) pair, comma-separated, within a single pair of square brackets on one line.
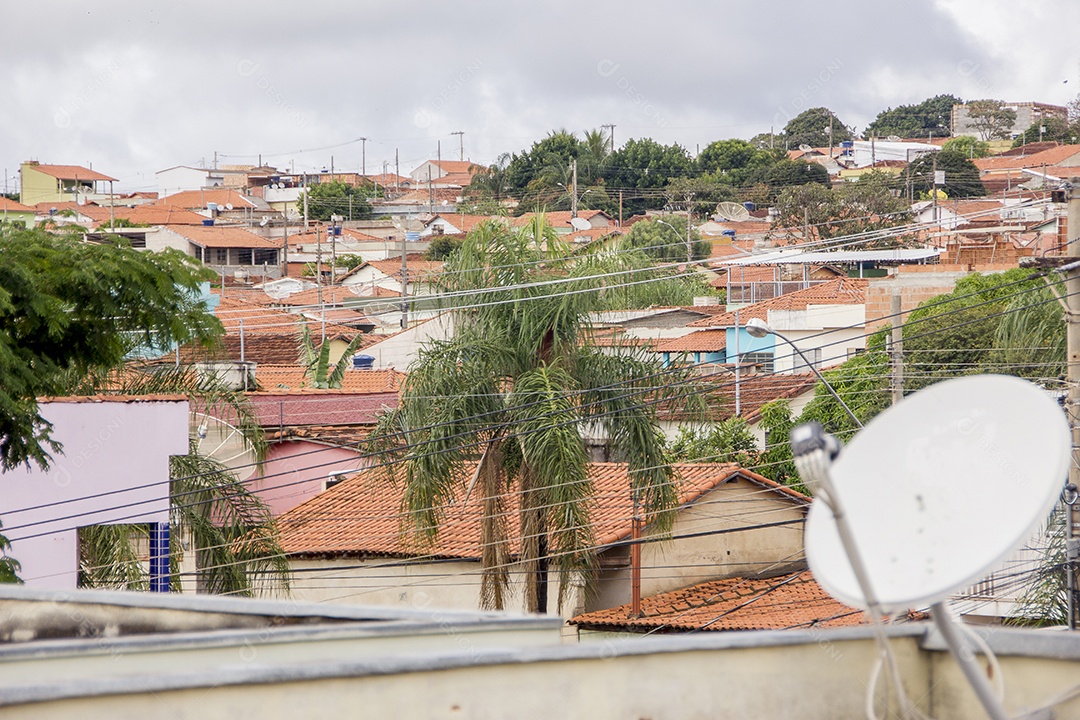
[(841, 291), (67, 172)]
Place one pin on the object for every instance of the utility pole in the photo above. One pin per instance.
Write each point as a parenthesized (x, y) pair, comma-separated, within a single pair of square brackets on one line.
[(397, 171), (461, 143), (897, 348), (285, 245), (1072, 297), (738, 364), (933, 187), (635, 556), (573, 188), (620, 208), (689, 243), (363, 156), (404, 284), (305, 203)]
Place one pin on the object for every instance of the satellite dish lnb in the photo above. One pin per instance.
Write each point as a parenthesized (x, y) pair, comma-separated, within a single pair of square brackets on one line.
[(941, 488), (580, 223)]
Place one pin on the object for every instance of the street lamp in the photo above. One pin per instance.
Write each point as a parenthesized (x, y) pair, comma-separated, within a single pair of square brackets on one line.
[(758, 328)]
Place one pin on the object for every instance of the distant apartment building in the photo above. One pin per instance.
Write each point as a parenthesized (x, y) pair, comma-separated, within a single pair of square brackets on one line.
[(1027, 114)]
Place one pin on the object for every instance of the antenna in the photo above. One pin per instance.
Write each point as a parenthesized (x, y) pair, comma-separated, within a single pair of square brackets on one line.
[(732, 211), (954, 459), (580, 223)]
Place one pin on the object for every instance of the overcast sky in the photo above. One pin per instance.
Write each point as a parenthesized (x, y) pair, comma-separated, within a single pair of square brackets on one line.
[(137, 87)]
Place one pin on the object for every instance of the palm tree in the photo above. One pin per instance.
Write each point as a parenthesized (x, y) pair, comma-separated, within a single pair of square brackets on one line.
[(512, 391), (231, 529)]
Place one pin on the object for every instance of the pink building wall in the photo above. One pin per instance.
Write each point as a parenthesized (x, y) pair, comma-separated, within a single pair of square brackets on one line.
[(295, 471), (114, 469)]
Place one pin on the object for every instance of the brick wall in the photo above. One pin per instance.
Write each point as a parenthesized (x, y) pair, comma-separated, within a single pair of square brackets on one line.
[(915, 284)]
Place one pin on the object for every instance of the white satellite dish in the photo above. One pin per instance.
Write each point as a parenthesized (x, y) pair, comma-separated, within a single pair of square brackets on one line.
[(805, 148), (217, 439), (265, 220), (580, 223), (894, 138), (228, 206), (732, 211), (940, 489)]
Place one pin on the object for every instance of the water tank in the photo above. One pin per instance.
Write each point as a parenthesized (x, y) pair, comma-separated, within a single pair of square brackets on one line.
[(728, 233), (208, 221), (212, 207), (750, 207), (362, 362)]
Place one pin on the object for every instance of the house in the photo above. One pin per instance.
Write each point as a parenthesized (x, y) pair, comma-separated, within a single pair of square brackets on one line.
[(435, 169), (213, 200), (224, 247), (780, 602), (560, 220), (867, 153), (61, 183), (1009, 171), (13, 212), (456, 223), (826, 322), (386, 275), (181, 178), (113, 468), (351, 542)]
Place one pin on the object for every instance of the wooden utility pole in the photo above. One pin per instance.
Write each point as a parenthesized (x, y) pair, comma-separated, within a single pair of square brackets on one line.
[(635, 557)]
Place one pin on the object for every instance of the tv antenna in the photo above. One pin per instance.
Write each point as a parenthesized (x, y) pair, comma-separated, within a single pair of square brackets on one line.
[(978, 452), (732, 211)]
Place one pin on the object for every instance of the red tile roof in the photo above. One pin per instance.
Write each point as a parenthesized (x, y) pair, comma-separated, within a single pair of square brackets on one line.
[(312, 237), (558, 219), (143, 214), (7, 205), (418, 267), (362, 515), (275, 378), (69, 172), (1052, 156), (464, 222), (319, 407), (786, 602), (754, 392), (698, 341), (457, 166), (198, 199), (224, 236), (262, 320), (841, 291)]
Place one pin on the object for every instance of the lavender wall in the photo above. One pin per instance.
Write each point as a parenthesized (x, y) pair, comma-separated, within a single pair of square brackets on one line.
[(114, 468), (295, 470)]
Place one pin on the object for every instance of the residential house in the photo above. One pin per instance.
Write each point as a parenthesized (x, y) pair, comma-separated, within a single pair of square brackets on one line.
[(456, 223), (866, 153), (40, 183), (777, 602), (351, 543), (825, 321), (1010, 171), (13, 212), (365, 278), (212, 202), (435, 169), (181, 178), (226, 248), (560, 220)]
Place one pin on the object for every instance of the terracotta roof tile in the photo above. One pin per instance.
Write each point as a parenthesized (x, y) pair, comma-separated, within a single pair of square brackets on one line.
[(1052, 156), (310, 407), (465, 222), (785, 602), (841, 291), (224, 236), (143, 214), (69, 172), (754, 392), (557, 219), (363, 514), (198, 199), (698, 341), (274, 378), (7, 205)]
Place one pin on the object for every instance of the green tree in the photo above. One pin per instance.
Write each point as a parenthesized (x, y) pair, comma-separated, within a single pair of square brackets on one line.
[(787, 173), (534, 167), (991, 118), (776, 462), (1051, 128), (961, 175), (810, 127), (512, 390), (968, 146), (664, 239), (705, 193), (9, 566), (853, 207), (733, 161), (442, 246), (67, 306), (646, 166), (862, 382), (932, 116), (728, 441), (326, 199), (491, 182)]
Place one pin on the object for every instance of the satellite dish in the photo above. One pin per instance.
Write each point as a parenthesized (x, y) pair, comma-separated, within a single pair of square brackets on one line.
[(893, 138), (580, 223), (941, 488), (228, 206), (732, 211), (217, 439), (278, 292), (265, 220), (805, 148)]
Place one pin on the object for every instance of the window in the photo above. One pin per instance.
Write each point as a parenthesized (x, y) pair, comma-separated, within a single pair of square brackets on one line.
[(221, 256), (812, 354), (764, 359), (266, 255), (243, 256)]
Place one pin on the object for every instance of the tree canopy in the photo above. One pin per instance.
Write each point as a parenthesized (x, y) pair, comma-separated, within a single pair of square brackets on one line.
[(68, 307), (991, 118), (968, 146), (852, 207), (1051, 128), (811, 127), (664, 239), (961, 176), (338, 198), (932, 116)]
